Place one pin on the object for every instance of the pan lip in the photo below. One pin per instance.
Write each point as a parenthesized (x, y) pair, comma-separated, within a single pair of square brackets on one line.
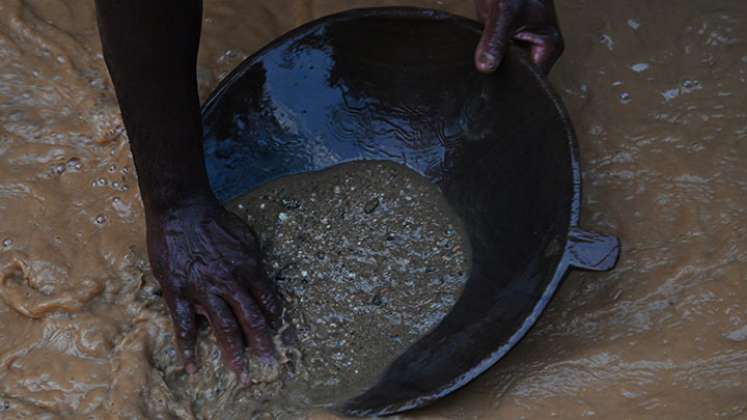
[(563, 264)]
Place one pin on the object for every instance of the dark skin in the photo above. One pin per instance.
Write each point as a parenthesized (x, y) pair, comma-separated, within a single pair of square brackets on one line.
[(205, 258), (532, 23)]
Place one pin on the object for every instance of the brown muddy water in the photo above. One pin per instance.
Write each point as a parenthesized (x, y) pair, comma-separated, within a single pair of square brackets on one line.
[(656, 91)]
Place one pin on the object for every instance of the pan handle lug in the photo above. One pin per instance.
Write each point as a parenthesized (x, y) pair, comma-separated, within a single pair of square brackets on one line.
[(592, 251)]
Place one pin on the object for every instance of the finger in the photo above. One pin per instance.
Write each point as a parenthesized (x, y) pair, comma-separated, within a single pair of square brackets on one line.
[(545, 48), (253, 324), (185, 328), (228, 335), (495, 36), (483, 7), (264, 293)]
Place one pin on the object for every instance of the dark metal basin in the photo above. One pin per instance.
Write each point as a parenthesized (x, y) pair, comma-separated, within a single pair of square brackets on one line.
[(399, 84)]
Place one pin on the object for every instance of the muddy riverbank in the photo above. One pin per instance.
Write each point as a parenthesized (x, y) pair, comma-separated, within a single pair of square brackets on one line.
[(656, 92)]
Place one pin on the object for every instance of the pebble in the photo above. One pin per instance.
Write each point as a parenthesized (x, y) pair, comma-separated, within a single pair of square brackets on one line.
[(291, 204), (371, 205)]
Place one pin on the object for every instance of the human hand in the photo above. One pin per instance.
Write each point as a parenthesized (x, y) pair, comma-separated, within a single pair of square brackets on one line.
[(531, 22), (207, 261)]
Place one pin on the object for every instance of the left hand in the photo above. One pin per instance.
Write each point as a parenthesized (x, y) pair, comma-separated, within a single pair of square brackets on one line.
[(531, 22)]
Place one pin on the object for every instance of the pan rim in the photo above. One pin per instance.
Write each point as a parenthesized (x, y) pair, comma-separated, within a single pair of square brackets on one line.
[(564, 261)]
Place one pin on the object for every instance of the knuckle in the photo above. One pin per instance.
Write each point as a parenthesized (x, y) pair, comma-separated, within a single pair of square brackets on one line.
[(225, 323), (257, 320), (225, 289), (219, 273)]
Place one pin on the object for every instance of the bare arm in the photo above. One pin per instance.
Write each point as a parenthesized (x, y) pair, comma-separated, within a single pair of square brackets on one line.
[(206, 259), (150, 49)]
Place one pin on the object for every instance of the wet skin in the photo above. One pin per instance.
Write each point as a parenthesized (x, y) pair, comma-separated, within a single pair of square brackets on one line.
[(529, 22), (206, 259)]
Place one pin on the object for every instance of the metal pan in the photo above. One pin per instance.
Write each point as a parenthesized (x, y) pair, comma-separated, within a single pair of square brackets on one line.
[(399, 84)]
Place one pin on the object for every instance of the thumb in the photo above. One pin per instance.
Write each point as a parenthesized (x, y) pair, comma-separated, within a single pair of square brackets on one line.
[(495, 36)]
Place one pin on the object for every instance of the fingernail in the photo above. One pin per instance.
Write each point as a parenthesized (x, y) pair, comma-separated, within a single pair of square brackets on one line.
[(487, 61)]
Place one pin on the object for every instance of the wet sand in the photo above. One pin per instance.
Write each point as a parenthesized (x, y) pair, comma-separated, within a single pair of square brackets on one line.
[(656, 92), (368, 257)]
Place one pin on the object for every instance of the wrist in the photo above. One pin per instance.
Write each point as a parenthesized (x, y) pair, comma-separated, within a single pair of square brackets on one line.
[(167, 198)]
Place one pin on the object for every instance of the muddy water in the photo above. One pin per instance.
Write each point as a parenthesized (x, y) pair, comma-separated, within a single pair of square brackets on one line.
[(656, 90)]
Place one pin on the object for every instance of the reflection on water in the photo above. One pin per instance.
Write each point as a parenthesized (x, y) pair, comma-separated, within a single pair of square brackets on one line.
[(319, 99), (656, 90)]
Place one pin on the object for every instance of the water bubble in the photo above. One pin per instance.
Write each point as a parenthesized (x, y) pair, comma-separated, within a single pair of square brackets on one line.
[(101, 182), (283, 217), (690, 85), (100, 219), (112, 168), (625, 97), (74, 164), (117, 185), (58, 169), (7, 243)]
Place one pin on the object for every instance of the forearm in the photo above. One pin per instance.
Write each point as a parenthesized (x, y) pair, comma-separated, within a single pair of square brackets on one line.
[(150, 48)]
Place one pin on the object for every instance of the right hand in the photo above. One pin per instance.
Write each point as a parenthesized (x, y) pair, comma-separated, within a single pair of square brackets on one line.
[(207, 261)]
